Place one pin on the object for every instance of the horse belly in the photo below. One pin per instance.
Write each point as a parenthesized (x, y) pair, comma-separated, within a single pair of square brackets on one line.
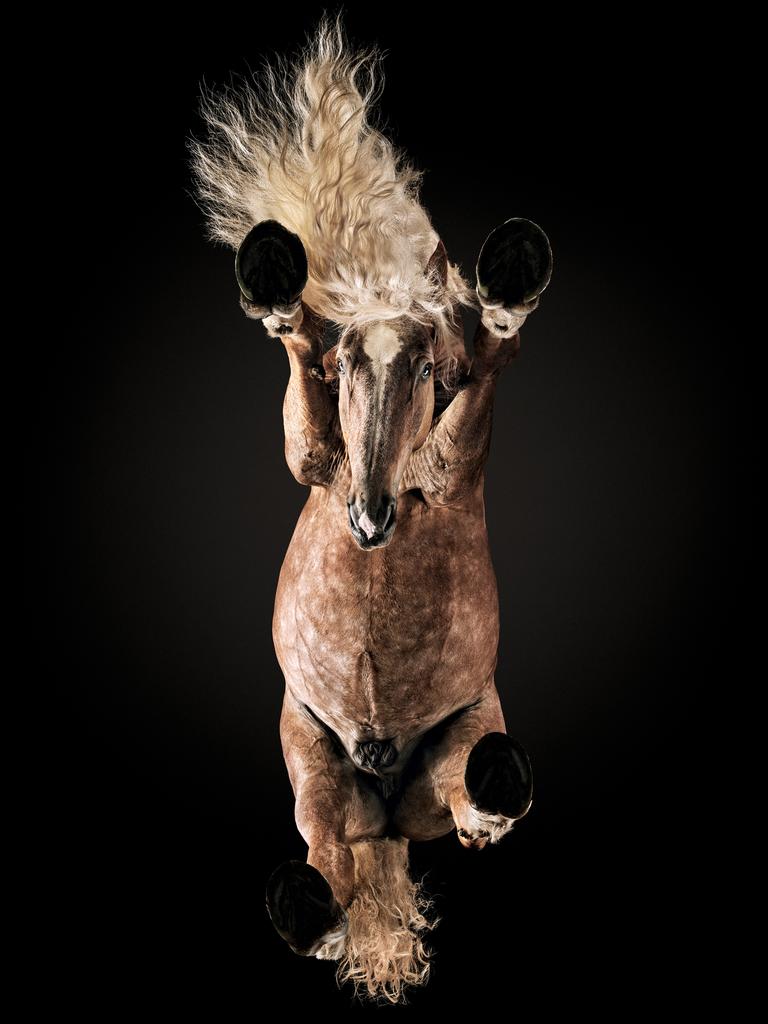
[(384, 644)]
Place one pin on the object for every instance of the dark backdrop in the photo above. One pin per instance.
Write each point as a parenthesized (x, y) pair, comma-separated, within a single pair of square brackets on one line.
[(165, 507)]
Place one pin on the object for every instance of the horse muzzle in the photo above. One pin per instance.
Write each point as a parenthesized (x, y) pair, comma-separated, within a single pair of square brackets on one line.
[(372, 527)]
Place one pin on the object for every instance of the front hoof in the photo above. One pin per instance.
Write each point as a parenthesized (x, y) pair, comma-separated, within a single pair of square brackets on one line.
[(498, 777), (515, 264), (304, 911), (271, 268)]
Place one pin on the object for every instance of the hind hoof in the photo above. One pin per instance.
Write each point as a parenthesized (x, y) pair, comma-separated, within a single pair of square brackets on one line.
[(515, 264), (473, 840), (271, 270), (498, 777), (304, 911)]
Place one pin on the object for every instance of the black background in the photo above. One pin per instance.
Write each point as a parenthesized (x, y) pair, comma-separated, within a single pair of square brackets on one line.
[(165, 508)]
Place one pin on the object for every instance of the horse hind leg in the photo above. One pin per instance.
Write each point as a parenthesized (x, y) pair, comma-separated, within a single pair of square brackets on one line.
[(469, 775), (386, 953), (354, 900), (335, 806)]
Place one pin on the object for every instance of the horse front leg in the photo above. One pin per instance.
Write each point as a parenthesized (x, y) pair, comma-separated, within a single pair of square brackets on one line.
[(513, 269), (271, 270), (335, 806), (469, 775)]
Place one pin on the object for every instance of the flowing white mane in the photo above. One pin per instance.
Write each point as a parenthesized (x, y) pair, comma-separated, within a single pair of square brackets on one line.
[(298, 146)]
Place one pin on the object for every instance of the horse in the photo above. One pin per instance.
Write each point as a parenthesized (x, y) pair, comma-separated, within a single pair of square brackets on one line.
[(386, 617)]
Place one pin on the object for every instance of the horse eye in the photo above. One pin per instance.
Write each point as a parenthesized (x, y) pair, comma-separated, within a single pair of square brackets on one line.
[(340, 365), (426, 371)]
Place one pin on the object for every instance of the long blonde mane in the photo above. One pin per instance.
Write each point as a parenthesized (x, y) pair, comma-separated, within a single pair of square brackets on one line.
[(299, 146)]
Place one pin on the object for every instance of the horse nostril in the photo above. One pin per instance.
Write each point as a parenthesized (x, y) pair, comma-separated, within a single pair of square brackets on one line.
[(389, 514)]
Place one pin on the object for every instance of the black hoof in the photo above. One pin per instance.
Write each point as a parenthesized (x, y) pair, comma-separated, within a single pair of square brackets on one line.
[(515, 263), (302, 907), (498, 776), (271, 266)]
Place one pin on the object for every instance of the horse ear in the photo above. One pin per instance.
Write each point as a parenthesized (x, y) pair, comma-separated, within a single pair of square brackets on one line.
[(329, 363), (438, 263)]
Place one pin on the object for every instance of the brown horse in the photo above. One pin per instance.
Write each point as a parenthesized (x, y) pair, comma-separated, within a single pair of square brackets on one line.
[(386, 618)]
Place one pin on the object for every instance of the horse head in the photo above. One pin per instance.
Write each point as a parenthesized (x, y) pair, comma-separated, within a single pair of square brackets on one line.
[(386, 389)]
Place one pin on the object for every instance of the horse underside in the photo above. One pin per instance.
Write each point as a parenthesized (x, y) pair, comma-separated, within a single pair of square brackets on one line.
[(353, 900), (307, 192)]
